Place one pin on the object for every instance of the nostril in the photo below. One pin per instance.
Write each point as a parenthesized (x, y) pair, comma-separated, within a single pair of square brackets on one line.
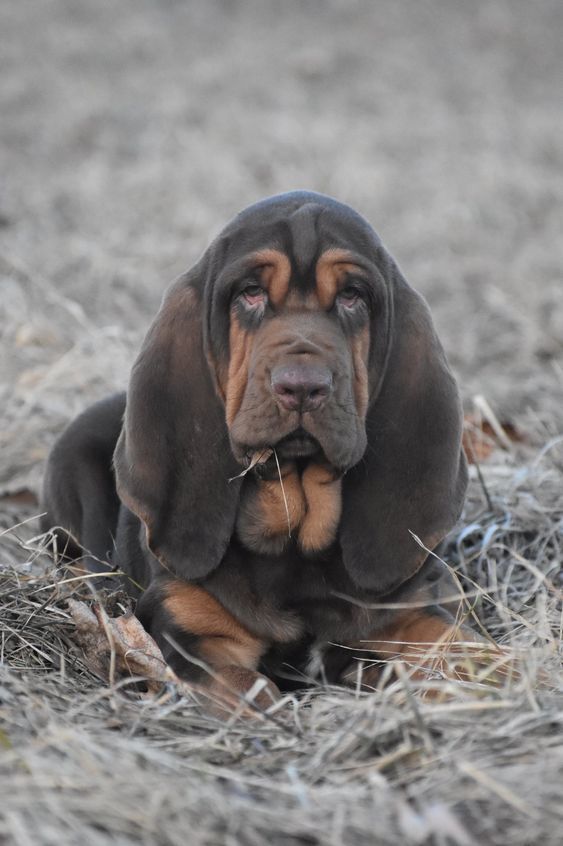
[(316, 394), (284, 390), (320, 390)]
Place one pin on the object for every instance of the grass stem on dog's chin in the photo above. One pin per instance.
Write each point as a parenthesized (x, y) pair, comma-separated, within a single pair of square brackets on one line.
[(258, 458)]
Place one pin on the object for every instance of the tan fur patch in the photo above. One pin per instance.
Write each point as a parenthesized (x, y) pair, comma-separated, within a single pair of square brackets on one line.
[(429, 644), (221, 371), (313, 504), (222, 651), (433, 647), (240, 343), (275, 271), (413, 633), (324, 505), (273, 505), (424, 642), (224, 639), (263, 517), (331, 271), (275, 275), (360, 353), (223, 694)]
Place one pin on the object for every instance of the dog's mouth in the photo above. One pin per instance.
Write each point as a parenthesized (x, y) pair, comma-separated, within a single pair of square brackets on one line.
[(298, 444)]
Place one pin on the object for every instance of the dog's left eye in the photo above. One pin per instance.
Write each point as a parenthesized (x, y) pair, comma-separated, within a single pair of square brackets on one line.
[(254, 295), (348, 297)]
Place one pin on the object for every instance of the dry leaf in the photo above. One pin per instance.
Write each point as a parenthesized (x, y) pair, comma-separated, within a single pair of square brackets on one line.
[(480, 438), (118, 646)]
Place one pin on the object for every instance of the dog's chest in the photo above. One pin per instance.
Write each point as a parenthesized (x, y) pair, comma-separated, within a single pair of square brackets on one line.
[(283, 598), (301, 506)]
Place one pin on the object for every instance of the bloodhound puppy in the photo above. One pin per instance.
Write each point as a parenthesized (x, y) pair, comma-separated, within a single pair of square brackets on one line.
[(291, 422)]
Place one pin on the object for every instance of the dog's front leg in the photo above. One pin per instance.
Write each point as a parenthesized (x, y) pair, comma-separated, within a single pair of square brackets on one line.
[(207, 646)]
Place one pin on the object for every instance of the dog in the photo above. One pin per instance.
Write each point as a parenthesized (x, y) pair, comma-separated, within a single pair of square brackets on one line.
[(286, 455)]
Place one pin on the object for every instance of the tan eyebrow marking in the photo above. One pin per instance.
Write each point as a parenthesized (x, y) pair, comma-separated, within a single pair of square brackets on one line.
[(331, 271), (275, 273)]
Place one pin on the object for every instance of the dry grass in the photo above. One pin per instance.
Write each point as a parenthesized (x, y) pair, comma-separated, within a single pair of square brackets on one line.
[(82, 760), (130, 133)]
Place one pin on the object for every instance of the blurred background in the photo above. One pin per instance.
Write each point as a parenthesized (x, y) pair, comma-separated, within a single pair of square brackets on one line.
[(132, 131)]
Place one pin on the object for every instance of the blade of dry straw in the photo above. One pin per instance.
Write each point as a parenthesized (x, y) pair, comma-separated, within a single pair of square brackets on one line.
[(257, 458), (284, 496)]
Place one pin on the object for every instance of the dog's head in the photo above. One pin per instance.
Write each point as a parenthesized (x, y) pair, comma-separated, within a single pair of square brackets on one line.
[(296, 338), (301, 290)]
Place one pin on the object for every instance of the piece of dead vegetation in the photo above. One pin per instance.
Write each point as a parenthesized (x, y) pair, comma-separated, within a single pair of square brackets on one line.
[(483, 434), (117, 647)]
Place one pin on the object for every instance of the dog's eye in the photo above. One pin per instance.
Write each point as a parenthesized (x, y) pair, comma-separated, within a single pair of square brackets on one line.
[(254, 295), (348, 297)]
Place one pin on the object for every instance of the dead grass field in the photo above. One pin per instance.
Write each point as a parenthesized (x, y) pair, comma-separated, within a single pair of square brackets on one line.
[(130, 132)]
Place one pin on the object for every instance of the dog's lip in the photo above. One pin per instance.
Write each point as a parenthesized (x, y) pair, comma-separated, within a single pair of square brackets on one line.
[(297, 443)]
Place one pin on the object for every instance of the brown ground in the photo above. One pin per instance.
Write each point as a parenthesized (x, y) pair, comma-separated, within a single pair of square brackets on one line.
[(130, 133)]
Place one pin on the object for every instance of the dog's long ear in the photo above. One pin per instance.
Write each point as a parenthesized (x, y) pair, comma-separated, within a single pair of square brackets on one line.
[(173, 459), (413, 475)]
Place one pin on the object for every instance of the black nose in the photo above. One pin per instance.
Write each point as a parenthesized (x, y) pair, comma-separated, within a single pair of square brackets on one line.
[(302, 387)]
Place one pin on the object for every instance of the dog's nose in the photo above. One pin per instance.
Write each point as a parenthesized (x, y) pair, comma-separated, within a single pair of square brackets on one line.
[(303, 387)]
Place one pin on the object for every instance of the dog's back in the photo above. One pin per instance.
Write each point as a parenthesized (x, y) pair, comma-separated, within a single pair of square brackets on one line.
[(79, 497)]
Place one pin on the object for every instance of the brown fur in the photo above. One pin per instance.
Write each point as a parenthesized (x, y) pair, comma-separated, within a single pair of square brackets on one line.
[(220, 651), (262, 522), (331, 271), (413, 633), (240, 343), (225, 693), (223, 639), (363, 468), (323, 494), (276, 273), (313, 504), (360, 353), (273, 496), (429, 644)]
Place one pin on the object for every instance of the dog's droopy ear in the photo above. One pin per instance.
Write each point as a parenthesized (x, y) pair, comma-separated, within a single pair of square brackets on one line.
[(413, 475), (173, 460)]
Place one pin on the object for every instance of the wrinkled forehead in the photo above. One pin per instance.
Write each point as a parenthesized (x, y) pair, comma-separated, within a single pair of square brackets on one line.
[(303, 227)]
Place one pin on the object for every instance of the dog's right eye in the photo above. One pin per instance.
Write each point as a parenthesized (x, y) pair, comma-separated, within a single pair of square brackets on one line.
[(254, 295)]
